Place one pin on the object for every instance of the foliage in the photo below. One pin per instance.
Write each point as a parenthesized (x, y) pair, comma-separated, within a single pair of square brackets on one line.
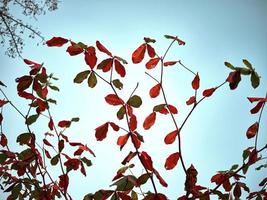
[(27, 174)]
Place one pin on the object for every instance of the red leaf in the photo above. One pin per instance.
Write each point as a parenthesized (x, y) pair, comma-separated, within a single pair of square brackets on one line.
[(191, 100), (122, 140), (172, 109), (34, 65), (2, 102), (146, 161), (170, 137), (138, 54), (169, 63), (105, 65), (124, 196), (129, 157), (64, 182), (149, 121), (114, 100), (257, 108), (74, 50), (83, 169), (102, 48), (253, 99), (47, 143), (78, 152), (154, 91), (47, 154), (151, 51), (114, 126), (26, 95), (56, 42), (252, 130), (44, 92), (171, 161), (195, 82), (90, 57), (119, 68), (1, 118), (208, 92), (152, 63), (51, 124), (3, 140), (101, 132), (133, 123), (136, 141), (234, 78), (161, 180), (253, 156), (64, 123)]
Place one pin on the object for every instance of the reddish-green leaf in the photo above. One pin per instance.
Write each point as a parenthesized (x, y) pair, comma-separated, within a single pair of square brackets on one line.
[(154, 91), (149, 121), (208, 92), (252, 130), (92, 80), (74, 50), (195, 82), (102, 48), (138, 54), (64, 124), (105, 65), (80, 77), (152, 63), (101, 132), (171, 161), (56, 42), (114, 100), (119, 68), (170, 137)]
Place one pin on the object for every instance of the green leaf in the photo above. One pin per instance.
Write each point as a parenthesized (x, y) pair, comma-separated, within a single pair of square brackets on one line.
[(229, 65), (92, 80), (121, 59), (134, 195), (248, 64), (55, 160), (159, 107), (81, 45), (234, 167), (24, 138), (168, 36), (255, 79), (31, 119), (244, 71), (86, 161), (121, 112), (125, 183), (16, 191), (53, 87), (117, 83), (135, 101), (3, 158), (89, 196), (26, 154), (245, 169), (80, 77), (143, 179), (75, 119), (52, 101)]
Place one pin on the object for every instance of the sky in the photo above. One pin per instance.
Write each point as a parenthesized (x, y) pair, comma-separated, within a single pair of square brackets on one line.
[(214, 32)]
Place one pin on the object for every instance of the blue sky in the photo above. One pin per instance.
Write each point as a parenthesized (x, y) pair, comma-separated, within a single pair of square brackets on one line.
[(214, 31)]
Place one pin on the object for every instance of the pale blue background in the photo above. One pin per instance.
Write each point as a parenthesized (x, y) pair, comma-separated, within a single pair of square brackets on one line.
[(214, 31)]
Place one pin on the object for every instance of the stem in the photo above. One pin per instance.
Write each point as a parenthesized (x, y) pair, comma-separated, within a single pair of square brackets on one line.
[(186, 67)]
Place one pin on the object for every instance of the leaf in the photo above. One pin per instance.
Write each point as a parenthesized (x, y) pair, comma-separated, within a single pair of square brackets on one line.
[(125, 183), (3, 140), (133, 123), (171, 161), (257, 108), (114, 100), (90, 57), (172, 109), (119, 68), (146, 161), (117, 83), (170, 137), (80, 77), (255, 79), (248, 64), (114, 126), (121, 60), (149, 40), (169, 63), (138, 54), (56, 42), (64, 124), (180, 42), (2, 84), (74, 50), (75, 119), (101, 132), (237, 191), (53, 87), (208, 92), (159, 107), (64, 182), (152, 63), (24, 82), (47, 143), (195, 82), (149, 121), (122, 140), (3, 102), (151, 51), (92, 80), (121, 112), (154, 91), (135, 101), (102, 48), (252, 130), (31, 119), (234, 167), (234, 78), (191, 100), (229, 65), (55, 160), (105, 65), (161, 180), (142, 179)]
